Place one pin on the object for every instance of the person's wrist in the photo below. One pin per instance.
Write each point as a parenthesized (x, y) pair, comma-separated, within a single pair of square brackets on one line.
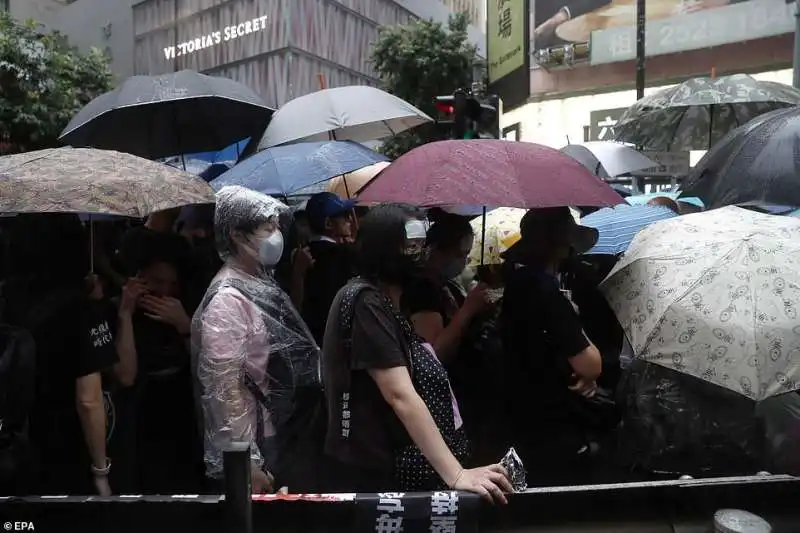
[(459, 474)]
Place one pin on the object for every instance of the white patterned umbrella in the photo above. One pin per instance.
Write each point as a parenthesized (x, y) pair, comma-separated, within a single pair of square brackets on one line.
[(715, 295)]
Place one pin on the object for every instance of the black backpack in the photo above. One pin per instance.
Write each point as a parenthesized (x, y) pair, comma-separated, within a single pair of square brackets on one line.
[(17, 384)]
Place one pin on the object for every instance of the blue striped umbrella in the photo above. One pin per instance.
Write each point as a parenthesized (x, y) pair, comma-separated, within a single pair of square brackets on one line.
[(619, 225)]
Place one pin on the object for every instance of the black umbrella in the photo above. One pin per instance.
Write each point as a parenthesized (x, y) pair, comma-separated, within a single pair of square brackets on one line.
[(172, 114), (755, 163)]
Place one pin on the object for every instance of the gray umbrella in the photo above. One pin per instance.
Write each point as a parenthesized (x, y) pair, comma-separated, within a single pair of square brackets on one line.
[(754, 164), (173, 114), (608, 159), (699, 112), (355, 113)]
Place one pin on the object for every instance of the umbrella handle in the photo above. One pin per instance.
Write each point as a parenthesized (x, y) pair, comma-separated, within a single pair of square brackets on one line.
[(347, 192), (91, 245), (483, 234)]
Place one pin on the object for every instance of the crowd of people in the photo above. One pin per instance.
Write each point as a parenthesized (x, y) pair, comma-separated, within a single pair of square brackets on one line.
[(351, 347)]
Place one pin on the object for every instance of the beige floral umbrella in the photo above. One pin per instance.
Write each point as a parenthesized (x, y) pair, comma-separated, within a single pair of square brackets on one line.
[(97, 182), (501, 231)]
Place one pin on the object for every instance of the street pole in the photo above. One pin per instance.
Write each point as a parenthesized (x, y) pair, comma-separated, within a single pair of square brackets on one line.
[(459, 114), (238, 500), (640, 48), (796, 59), (641, 19)]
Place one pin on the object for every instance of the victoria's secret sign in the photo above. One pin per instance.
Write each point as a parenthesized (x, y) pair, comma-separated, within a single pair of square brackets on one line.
[(214, 38)]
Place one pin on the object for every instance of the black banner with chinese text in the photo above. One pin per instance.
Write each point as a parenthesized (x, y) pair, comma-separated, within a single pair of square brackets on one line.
[(412, 512)]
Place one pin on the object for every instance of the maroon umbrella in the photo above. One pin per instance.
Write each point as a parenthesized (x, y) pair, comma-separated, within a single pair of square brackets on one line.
[(488, 172)]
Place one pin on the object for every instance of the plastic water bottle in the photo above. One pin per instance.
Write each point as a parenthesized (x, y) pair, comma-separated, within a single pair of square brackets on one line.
[(737, 521)]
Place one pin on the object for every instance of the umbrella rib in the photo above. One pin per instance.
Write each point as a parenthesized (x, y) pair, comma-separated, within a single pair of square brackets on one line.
[(691, 287)]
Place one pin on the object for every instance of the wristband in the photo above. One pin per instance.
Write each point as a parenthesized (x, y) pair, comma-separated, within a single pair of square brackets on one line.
[(460, 473), (101, 472)]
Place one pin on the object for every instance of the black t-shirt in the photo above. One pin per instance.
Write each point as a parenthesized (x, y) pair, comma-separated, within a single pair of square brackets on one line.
[(363, 430), (158, 346), (541, 332), (74, 338), (333, 267)]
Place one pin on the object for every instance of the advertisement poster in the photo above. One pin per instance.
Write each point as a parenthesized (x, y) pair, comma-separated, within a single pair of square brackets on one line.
[(672, 25), (507, 50)]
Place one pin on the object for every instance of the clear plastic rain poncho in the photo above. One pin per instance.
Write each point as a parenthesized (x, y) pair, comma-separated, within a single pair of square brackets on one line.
[(256, 364)]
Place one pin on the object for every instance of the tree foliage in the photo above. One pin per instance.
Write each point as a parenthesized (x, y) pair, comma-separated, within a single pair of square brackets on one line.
[(419, 61), (43, 82)]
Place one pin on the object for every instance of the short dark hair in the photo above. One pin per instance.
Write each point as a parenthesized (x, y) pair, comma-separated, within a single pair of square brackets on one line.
[(380, 242), (448, 232), (317, 224)]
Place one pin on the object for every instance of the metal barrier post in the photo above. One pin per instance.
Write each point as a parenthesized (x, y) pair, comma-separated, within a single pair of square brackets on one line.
[(238, 491)]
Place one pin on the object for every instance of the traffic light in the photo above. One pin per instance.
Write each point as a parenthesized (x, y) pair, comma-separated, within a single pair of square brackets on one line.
[(451, 110), (468, 117)]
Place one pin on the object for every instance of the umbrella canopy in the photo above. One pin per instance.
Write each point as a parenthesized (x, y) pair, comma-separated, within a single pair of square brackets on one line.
[(699, 112), (85, 180), (502, 231), (715, 295), (488, 172), (619, 225), (756, 163), (347, 186), (159, 116), (284, 170), (356, 113), (608, 159)]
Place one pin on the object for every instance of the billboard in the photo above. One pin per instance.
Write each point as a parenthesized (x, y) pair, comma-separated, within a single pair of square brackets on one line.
[(507, 50), (672, 25)]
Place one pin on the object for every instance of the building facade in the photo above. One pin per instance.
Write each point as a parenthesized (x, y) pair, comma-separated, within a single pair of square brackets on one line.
[(280, 48)]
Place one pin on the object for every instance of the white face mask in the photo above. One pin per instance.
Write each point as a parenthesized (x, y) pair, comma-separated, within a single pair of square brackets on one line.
[(270, 249)]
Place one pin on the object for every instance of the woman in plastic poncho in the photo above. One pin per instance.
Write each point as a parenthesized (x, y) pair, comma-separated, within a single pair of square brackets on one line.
[(256, 363)]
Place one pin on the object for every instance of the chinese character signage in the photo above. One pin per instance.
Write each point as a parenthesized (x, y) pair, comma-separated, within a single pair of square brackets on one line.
[(694, 24), (508, 50), (505, 36), (672, 25), (420, 512), (602, 122)]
